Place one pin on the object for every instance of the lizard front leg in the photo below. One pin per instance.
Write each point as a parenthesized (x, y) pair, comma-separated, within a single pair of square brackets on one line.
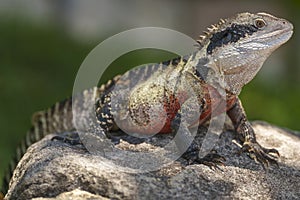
[(184, 138), (189, 149), (246, 134)]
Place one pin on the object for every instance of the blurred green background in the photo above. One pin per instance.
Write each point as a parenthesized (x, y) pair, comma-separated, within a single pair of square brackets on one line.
[(43, 43)]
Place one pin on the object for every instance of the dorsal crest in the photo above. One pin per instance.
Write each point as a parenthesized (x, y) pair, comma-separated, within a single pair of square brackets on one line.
[(209, 32)]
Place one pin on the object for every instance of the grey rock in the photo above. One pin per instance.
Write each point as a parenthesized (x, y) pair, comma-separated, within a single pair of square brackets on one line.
[(75, 194), (56, 170)]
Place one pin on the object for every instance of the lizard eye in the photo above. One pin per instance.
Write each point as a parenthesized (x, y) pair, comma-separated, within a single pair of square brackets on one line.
[(260, 23)]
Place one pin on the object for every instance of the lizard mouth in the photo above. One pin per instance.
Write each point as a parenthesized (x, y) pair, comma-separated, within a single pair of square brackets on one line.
[(280, 35)]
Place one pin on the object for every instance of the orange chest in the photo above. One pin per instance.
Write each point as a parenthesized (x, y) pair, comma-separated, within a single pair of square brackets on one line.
[(214, 104)]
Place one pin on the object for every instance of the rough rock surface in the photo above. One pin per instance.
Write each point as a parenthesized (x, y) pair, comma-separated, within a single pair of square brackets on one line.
[(55, 170), (74, 195)]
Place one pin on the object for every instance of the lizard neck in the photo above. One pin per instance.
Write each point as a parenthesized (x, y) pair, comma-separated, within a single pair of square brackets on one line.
[(227, 74), (241, 71), (204, 68)]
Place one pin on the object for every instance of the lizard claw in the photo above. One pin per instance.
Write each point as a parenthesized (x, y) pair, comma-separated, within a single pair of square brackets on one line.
[(212, 160), (260, 154), (68, 140)]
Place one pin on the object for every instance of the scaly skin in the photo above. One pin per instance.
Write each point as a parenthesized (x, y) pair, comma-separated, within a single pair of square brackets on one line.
[(174, 95)]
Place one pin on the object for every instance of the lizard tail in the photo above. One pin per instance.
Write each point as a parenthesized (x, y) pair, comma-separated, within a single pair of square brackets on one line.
[(52, 120), (56, 119)]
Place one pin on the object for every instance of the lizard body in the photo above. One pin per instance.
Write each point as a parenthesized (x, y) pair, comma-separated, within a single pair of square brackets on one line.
[(155, 95)]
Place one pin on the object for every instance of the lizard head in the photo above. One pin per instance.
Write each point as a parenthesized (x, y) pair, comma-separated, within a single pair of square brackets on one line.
[(238, 46)]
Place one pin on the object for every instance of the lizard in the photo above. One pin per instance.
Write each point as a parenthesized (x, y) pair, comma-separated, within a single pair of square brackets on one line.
[(233, 49)]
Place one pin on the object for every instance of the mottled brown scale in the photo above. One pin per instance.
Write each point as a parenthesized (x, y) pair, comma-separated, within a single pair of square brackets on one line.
[(215, 102), (171, 106)]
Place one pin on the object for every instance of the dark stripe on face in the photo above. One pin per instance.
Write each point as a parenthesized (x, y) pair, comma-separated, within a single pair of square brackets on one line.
[(230, 34)]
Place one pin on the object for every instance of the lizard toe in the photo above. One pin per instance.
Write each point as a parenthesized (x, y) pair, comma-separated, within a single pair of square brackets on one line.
[(66, 139), (212, 160), (260, 154)]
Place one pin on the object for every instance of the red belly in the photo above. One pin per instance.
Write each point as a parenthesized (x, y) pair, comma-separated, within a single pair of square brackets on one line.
[(161, 120), (214, 102)]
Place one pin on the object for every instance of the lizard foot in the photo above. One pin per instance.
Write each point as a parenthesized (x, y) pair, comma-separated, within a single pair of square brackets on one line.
[(212, 160), (69, 140), (260, 154)]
